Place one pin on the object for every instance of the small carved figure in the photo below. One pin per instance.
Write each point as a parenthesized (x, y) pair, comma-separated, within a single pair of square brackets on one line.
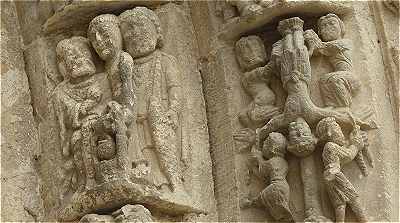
[(272, 167), (336, 153), (251, 56), (158, 89), (340, 86), (75, 100), (106, 39)]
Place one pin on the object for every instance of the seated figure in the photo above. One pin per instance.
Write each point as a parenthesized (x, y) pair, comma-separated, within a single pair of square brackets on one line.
[(340, 86)]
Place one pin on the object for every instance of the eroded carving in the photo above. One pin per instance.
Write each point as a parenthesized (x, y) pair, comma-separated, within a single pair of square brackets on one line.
[(340, 86), (75, 101), (270, 165), (290, 62), (158, 90), (336, 153), (251, 56)]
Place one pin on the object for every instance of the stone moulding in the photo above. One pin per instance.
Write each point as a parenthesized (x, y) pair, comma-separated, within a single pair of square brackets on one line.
[(102, 199), (82, 12), (241, 25)]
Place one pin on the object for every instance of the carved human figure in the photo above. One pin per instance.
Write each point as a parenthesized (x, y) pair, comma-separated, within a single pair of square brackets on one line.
[(106, 39), (272, 167), (75, 100), (336, 153), (290, 61), (158, 89), (340, 86), (251, 55)]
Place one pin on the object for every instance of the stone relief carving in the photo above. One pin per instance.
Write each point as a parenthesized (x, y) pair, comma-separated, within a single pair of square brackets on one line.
[(107, 120), (251, 56), (307, 126), (158, 89), (340, 86), (270, 165), (231, 8)]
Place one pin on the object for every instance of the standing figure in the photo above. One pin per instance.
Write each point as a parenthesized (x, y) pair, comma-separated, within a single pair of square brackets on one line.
[(106, 39), (158, 90), (76, 101), (272, 167), (105, 36), (340, 86), (336, 153), (251, 55)]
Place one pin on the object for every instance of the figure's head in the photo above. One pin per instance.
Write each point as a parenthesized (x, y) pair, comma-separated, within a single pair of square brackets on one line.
[(105, 35), (274, 145), (328, 130), (330, 27), (250, 52), (75, 58), (141, 31), (301, 140)]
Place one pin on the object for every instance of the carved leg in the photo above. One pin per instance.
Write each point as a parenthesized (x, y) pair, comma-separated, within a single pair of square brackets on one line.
[(343, 119), (340, 213), (355, 205), (313, 210), (87, 155), (169, 163)]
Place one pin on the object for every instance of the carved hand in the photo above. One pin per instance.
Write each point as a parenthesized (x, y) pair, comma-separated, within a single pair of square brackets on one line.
[(358, 137), (245, 135), (117, 114), (173, 118)]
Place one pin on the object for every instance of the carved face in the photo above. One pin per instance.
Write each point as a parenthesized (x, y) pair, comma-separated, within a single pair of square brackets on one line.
[(274, 145), (330, 29), (140, 37), (77, 61), (334, 133), (301, 140), (250, 52), (106, 39)]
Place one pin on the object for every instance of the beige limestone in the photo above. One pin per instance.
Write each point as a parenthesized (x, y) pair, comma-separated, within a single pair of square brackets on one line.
[(261, 110)]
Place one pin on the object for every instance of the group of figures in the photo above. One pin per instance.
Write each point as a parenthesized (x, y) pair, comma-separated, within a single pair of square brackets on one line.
[(300, 126), (108, 118)]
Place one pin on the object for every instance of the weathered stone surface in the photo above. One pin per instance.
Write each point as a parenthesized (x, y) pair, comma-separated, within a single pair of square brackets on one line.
[(259, 110), (20, 199)]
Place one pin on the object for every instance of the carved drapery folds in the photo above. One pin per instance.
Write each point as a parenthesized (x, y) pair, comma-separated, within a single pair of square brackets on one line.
[(302, 126), (110, 121)]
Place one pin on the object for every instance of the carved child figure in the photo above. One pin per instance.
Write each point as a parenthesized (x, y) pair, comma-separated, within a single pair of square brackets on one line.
[(339, 86), (272, 167), (336, 153), (158, 89), (251, 56), (75, 100)]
